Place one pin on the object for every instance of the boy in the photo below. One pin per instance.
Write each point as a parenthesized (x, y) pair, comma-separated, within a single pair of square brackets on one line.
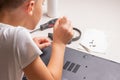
[(19, 52)]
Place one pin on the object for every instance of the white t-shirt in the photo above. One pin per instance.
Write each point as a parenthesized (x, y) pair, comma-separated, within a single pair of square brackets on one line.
[(17, 50)]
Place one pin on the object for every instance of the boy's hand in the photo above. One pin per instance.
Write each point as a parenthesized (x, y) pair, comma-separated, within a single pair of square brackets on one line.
[(63, 31), (42, 42)]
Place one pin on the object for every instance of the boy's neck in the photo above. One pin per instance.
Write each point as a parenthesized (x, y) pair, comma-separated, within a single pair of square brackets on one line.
[(10, 18)]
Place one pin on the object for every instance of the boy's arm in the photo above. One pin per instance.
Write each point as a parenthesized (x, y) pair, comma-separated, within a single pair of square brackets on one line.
[(37, 70)]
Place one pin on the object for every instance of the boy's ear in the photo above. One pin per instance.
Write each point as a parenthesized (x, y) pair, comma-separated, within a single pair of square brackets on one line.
[(29, 7)]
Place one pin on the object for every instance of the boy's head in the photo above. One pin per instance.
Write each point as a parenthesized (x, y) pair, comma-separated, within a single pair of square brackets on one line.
[(10, 4), (26, 13)]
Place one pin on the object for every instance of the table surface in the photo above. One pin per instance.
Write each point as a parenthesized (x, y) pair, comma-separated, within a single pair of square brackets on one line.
[(101, 15)]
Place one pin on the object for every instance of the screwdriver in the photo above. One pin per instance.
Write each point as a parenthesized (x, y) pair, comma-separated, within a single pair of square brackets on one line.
[(46, 25)]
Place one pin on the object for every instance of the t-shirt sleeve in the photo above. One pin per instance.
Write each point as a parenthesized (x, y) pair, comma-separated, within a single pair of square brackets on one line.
[(26, 49)]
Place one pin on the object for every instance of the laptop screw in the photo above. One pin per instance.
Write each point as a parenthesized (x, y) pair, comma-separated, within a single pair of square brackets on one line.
[(84, 77), (86, 66)]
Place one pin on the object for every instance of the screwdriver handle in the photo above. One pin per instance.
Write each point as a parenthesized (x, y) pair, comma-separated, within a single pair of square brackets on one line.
[(49, 24)]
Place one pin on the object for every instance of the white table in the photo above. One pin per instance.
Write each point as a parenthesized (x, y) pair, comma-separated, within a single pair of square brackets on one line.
[(103, 15)]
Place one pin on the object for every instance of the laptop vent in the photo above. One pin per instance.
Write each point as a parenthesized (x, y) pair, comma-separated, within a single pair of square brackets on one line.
[(70, 66)]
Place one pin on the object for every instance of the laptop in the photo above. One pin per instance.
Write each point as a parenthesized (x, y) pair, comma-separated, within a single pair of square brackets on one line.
[(82, 66)]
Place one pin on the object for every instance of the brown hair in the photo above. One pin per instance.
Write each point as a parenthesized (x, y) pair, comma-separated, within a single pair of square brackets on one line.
[(9, 4)]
